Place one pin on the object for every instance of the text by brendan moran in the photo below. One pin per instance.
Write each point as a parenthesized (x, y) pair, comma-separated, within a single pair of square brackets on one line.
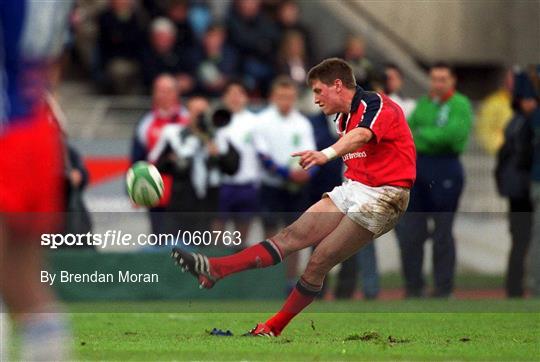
[(122, 276)]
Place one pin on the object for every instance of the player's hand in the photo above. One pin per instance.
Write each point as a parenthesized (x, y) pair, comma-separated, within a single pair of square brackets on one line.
[(76, 178), (309, 159), (299, 176)]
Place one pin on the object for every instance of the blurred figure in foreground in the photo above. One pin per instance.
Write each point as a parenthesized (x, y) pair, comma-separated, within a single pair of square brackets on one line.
[(494, 114), (513, 176), (440, 124), (32, 35)]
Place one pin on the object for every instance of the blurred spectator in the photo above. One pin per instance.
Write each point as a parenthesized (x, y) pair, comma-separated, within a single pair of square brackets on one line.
[(198, 108), (494, 114), (440, 124), (288, 19), (393, 86), (164, 57), (78, 219), (83, 22), (354, 54), (180, 152), (291, 59), (239, 193), (528, 91), (199, 17), (255, 36), (119, 46), (166, 110), (513, 171), (216, 62), (178, 14), (284, 191), (155, 8)]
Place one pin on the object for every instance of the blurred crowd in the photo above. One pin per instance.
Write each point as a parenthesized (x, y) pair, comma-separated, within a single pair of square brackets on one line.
[(125, 44), (228, 90)]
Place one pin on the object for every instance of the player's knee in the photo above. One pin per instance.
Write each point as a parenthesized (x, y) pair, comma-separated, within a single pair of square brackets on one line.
[(317, 266), (287, 239)]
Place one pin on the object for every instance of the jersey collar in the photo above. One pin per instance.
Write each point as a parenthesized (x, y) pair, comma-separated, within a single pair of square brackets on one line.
[(444, 98), (358, 94)]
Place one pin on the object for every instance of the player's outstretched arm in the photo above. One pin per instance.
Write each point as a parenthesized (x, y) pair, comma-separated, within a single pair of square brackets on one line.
[(348, 143)]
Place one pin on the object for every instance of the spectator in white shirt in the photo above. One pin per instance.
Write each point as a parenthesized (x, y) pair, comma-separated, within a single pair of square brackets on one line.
[(239, 193), (284, 130)]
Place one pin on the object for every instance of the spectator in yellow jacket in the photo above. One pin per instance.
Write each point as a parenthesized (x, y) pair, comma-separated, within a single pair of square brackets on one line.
[(494, 113)]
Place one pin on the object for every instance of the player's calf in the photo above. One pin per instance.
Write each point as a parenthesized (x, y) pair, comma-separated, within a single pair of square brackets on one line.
[(209, 270)]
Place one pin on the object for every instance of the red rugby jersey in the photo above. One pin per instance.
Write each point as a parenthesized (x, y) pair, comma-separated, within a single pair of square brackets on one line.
[(389, 159)]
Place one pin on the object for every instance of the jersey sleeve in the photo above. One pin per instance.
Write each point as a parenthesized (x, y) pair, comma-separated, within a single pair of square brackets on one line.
[(376, 116)]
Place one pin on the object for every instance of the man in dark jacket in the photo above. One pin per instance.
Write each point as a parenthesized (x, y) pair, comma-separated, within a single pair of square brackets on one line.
[(255, 36), (514, 161), (530, 104)]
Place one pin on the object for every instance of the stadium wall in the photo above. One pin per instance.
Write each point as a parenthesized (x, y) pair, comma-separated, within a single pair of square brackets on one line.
[(462, 31)]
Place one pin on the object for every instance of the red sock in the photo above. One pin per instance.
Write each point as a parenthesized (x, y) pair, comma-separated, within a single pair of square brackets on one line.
[(261, 255), (301, 296)]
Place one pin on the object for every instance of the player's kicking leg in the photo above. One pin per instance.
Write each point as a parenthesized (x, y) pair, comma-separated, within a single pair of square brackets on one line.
[(347, 238), (314, 225)]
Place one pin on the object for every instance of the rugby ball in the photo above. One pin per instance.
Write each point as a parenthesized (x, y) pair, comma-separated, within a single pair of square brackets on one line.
[(144, 184)]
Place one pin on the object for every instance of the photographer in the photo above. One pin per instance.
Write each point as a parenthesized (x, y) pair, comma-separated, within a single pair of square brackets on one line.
[(189, 154)]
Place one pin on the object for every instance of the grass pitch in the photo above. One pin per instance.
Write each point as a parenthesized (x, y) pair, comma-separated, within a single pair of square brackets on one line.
[(393, 330)]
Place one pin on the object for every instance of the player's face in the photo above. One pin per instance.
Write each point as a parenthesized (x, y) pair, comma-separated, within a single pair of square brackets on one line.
[(442, 81), (284, 98), (326, 97)]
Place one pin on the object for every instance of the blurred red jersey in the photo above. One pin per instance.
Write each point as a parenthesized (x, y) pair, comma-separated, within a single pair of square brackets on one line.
[(389, 159), (31, 157)]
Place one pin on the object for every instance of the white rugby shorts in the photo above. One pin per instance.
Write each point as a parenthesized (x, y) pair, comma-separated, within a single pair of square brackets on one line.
[(377, 209)]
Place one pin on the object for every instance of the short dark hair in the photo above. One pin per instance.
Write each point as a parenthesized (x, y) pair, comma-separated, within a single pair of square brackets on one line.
[(444, 65), (216, 26), (283, 81), (235, 82), (394, 67), (331, 69)]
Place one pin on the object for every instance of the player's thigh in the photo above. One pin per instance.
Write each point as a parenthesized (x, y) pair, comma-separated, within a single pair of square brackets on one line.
[(345, 240), (310, 228)]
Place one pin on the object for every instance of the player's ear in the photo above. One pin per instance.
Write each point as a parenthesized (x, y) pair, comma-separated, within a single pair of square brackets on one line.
[(339, 85)]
